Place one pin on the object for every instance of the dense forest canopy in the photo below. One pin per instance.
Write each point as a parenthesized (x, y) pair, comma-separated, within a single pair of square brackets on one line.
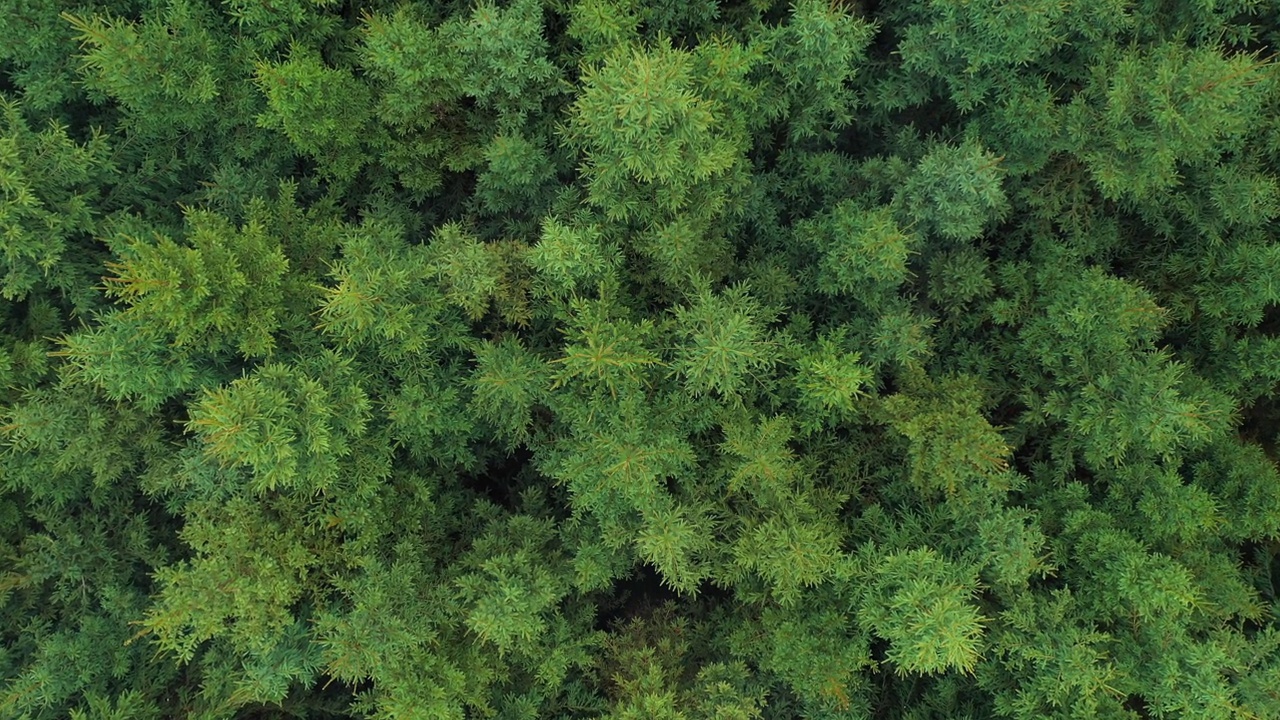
[(639, 359)]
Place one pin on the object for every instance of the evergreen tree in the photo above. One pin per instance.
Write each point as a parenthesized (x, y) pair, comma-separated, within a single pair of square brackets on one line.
[(620, 359)]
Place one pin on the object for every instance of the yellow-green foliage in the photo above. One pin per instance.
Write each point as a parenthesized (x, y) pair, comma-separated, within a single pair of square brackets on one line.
[(633, 359)]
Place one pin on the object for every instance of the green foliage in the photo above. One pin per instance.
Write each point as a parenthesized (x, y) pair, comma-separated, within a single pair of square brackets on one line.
[(662, 151), (831, 379), (921, 604), (508, 381), (166, 70), (216, 593), (955, 192), (724, 343), (1161, 107), (952, 446), (604, 352), (381, 294), (515, 584), (47, 206), (323, 111), (816, 56), (616, 359), (571, 257), (976, 48), (644, 127), (223, 288), (862, 249), (427, 78), (283, 423)]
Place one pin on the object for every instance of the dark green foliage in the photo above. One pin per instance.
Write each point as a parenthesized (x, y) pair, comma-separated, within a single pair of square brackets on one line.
[(639, 359), (48, 184)]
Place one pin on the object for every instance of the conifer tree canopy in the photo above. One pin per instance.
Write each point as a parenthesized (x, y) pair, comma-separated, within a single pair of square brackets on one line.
[(639, 359)]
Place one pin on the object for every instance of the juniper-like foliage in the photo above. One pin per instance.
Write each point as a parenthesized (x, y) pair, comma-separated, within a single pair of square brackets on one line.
[(639, 359)]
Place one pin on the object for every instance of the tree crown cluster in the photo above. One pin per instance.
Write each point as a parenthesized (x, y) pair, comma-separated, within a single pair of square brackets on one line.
[(662, 359)]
